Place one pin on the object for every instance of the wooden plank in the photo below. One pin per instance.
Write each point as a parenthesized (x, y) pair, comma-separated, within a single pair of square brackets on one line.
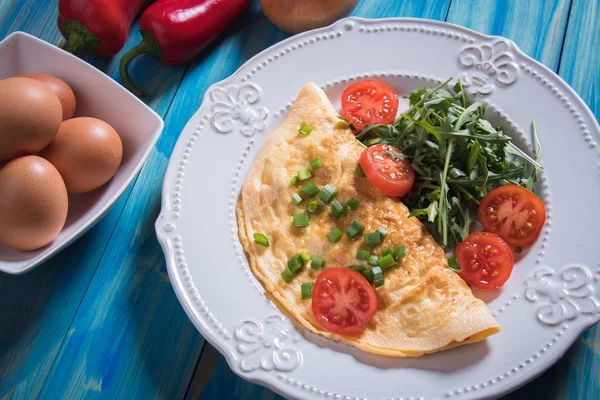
[(38, 308), (541, 37), (577, 374), (213, 379), (130, 331)]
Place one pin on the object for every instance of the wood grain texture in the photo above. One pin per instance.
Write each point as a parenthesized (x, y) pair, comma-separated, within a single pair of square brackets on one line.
[(38, 308)]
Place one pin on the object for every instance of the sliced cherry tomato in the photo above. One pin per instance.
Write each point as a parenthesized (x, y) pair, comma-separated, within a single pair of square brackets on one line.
[(485, 259), (393, 176), (514, 213), (369, 102), (343, 301)]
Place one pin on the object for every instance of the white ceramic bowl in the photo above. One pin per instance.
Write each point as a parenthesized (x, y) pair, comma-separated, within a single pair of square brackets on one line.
[(97, 96)]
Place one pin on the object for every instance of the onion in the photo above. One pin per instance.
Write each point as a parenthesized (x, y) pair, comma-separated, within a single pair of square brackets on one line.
[(295, 16)]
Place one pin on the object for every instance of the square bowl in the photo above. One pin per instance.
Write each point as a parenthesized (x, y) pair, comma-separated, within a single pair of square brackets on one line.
[(97, 96)]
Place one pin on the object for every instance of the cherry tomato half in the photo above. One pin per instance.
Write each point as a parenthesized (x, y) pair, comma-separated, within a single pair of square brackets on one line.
[(343, 301), (514, 213), (485, 259), (369, 102), (391, 175)]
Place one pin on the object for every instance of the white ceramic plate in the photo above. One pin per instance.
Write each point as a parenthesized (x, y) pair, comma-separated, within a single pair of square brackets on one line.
[(549, 300), (97, 96)]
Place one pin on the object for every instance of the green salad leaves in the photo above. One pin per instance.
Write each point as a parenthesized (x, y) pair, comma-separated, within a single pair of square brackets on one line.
[(458, 157)]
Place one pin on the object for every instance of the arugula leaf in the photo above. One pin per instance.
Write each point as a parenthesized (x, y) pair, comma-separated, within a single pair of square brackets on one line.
[(458, 156)]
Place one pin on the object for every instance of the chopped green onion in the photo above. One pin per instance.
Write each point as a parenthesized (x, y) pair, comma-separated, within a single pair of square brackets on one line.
[(305, 130), (386, 251), (386, 261), (310, 190), (363, 255), (453, 264), (360, 171), (312, 206), (327, 194), (294, 263), (307, 288), (335, 235), (337, 209), (382, 232), (294, 180), (355, 230), (315, 163), (316, 263), (296, 199), (287, 275), (372, 239), (399, 252), (363, 271), (305, 256), (352, 204), (301, 220), (373, 261), (377, 276), (304, 174), (261, 239)]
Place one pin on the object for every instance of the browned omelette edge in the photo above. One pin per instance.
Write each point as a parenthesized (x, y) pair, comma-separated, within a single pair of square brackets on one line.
[(272, 293)]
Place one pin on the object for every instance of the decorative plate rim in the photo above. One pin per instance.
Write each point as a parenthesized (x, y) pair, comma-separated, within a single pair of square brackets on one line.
[(164, 217)]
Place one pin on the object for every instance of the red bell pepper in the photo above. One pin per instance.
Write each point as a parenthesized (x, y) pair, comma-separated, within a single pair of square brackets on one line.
[(175, 31), (97, 26)]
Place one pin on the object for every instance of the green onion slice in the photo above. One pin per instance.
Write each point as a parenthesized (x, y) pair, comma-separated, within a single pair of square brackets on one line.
[(316, 263), (294, 263), (377, 276), (363, 255), (386, 261), (372, 239), (327, 194), (355, 230), (307, 288), (386, 251), (304, 174), (305, 130), (312, 206), (352, 204), (305, 256), (310, 190), (287, 275), (373, 261), (294, 180), (315, 163), (261, 239), (382, 232), (335, 235), (363, 271), (337, 209), (301, 220), (296, 199), (399, 252)]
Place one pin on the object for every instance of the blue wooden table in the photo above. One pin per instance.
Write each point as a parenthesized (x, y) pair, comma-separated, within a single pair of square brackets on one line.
[(100, 320)]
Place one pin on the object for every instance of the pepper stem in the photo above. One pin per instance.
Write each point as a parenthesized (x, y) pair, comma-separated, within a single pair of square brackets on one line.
[(79, 37), (148, 45)]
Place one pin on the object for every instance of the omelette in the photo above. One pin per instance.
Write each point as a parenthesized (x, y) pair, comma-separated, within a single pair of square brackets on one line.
[(423, 306)]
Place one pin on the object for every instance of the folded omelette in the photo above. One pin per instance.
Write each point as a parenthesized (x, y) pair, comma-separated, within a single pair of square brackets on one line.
[(423, 307)]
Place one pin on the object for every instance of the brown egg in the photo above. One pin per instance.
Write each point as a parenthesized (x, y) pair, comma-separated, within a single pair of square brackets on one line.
[(87, 152), (30, 114), (61, 89), (33, 204)]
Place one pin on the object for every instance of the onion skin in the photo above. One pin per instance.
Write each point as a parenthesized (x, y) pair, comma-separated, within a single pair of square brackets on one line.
[(294, 16)]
